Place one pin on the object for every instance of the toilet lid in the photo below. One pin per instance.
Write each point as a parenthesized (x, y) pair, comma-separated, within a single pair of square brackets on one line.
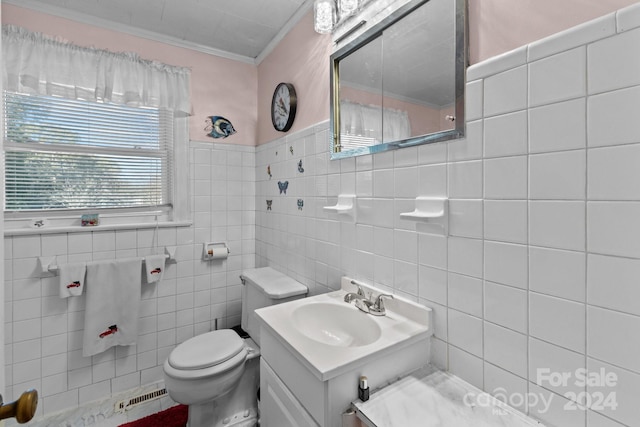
[(206, 350)]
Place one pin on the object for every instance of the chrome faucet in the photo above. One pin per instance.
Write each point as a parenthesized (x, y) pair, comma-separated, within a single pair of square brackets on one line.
[(359, 295), (365, 304), (377, 308)]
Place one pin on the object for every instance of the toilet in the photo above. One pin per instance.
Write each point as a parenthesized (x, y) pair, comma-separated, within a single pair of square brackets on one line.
[(217, 373)]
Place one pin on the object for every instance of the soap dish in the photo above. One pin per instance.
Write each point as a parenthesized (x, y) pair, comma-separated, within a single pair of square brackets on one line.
[(427, 208), (345, 206)]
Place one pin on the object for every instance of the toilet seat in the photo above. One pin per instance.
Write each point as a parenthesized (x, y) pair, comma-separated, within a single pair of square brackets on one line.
[(205, 355), (205, 350)]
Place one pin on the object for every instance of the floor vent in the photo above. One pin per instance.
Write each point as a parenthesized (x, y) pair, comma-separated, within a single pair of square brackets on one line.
[(125, 405)]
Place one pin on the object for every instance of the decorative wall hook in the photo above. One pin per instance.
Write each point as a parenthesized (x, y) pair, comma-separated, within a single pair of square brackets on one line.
[(44, 263), (269, 203), (300, 168), (170, 252)]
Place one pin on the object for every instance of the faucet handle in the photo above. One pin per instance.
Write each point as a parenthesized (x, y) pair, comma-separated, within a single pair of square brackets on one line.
[(360, 291), (377, 308)]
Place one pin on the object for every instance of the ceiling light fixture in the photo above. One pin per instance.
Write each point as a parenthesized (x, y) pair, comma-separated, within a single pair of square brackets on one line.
[(328, 13)]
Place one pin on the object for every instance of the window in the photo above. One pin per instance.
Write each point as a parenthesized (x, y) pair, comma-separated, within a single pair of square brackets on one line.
[(89, 130), (69, 154)]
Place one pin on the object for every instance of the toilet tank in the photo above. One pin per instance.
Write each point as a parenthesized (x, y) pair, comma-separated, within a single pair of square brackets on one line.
[(263, 287)]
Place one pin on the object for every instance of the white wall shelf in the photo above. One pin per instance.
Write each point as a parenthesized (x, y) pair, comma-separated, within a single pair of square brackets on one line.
[(430, 209), (346, 206)]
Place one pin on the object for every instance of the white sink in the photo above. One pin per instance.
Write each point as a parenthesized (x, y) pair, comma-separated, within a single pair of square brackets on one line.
[(335, 325), (331, 337)]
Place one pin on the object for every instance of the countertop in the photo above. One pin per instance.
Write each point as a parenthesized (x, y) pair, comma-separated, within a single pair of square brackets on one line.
[(326, 361), (430, 397)]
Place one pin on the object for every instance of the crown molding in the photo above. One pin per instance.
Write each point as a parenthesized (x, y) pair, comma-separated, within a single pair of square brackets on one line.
[(127, 29), (292, 22)]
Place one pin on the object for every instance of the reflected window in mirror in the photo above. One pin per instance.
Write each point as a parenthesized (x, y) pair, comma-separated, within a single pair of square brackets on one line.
[(401, 83)]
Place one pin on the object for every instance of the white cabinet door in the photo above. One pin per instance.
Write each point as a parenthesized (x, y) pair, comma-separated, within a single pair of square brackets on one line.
[(278, 407)]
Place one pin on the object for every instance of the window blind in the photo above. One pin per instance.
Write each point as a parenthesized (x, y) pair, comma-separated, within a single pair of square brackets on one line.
[(70, 154)]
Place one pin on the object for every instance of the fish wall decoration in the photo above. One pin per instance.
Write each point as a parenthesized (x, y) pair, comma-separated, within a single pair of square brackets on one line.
[(219, 127)]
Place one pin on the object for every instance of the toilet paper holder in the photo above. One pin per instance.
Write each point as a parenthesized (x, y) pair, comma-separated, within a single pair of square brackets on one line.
[(215, 250)]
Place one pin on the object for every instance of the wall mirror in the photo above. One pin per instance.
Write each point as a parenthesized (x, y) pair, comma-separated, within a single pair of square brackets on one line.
[(401, 83)]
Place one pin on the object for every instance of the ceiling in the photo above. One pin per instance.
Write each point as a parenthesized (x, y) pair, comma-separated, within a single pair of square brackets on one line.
[(244, 30)]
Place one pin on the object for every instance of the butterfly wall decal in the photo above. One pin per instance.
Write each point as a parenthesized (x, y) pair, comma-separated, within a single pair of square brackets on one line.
[(283, 186)]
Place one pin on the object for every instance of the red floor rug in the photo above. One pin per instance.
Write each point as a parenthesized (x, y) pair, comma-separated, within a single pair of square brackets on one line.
[(172, 417)]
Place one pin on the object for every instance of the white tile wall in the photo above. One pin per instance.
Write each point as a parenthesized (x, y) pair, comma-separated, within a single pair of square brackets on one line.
[(505, 386), (558, 127), (506, 306), (627, 393), (558, 77), (506, 348), (505, 92), (44, 332), (546, 358), (540, 267)]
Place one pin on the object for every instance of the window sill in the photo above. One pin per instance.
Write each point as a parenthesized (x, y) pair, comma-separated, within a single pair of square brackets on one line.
[(87, 229)]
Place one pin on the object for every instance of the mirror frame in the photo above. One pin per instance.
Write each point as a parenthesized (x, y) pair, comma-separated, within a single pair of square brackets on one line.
[(461, 62)]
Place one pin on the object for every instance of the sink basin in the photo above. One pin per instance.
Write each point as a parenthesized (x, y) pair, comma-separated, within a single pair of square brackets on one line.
[(331, 337), (335, 325)]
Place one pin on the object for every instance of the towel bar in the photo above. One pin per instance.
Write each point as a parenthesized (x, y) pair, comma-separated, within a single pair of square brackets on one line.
[(46, 266)]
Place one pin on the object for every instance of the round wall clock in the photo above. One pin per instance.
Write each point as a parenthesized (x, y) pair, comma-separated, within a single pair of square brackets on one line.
[(283, 107)]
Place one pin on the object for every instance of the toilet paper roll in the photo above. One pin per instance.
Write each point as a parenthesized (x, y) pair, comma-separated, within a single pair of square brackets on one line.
[(215, 251), (350, 419), (218, 253)]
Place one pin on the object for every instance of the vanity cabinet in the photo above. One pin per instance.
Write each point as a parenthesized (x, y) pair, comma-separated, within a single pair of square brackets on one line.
[(292, 394), (314, 351), (278, 407)]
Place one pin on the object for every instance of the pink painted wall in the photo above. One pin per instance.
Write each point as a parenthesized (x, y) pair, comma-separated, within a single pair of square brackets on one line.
[(498, 26), (495, 27), (301, 58), (229, 88), (219, 86)]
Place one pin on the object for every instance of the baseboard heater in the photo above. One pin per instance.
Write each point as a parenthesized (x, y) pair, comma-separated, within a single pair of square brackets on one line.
[(125, 405)]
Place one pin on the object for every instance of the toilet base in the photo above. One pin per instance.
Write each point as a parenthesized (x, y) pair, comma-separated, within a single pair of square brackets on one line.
[(207, 416), (238, 408)]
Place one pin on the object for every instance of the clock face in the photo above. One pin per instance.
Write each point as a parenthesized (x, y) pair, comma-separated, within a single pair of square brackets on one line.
[(283, 107)]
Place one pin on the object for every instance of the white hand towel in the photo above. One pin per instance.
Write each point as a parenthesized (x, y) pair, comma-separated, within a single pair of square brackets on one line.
[(154, 266), (72, 279), (112, 306)]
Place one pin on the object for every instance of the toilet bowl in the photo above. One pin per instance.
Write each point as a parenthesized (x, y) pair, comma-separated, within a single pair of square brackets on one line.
[(217, 373)]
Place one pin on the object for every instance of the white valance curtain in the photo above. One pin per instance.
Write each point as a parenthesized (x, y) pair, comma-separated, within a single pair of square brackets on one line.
[(373, 121), (38, 64)]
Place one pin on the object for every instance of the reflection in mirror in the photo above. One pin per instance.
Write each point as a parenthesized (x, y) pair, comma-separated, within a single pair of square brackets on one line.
[(361, 103), (402, 82)]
